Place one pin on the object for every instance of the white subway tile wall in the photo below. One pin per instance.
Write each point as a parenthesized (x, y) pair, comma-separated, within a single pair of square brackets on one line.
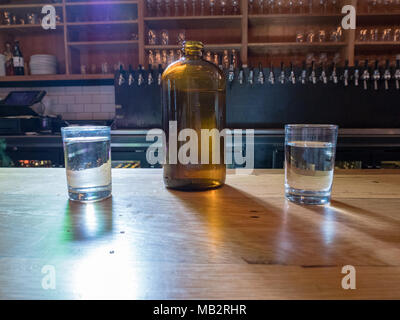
[(76, 102)]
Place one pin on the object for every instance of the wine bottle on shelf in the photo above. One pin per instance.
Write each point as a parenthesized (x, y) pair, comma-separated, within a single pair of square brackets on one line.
[(18, 60)]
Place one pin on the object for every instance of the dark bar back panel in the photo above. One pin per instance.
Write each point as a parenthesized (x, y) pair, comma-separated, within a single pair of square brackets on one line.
[(272, 106)]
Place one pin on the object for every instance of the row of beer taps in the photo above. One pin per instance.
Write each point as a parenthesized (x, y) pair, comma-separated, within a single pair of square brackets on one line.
[(356, 76)]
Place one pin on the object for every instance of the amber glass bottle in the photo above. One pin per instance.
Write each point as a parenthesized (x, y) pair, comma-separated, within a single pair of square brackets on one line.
[(193, 95)]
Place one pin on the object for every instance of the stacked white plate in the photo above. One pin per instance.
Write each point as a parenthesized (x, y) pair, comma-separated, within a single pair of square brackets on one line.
[(43, 64)]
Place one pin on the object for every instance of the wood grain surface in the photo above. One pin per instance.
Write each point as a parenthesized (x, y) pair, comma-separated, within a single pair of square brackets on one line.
[(241, 241)]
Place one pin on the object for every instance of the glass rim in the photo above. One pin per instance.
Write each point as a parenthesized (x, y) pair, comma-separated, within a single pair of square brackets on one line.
[(85, 128), (314, 126)]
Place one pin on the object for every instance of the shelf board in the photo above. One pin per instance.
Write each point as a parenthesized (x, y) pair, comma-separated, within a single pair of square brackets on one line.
[(259, 19), (293, 46), (96, 23), (221, 46), (194, 21), (28, 5), (379, 17), (29, 27), (80, 44), (96, 3), (57, 80), (380, 45)]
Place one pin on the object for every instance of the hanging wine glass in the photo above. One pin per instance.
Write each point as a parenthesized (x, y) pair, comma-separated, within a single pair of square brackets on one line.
[(193, 7), (271, 4), (300, 4), (251, 6), (223, 6), (202, 7), (279, 4), (168, 7), (185, 6), (158, 7), (176, 7), (261, 6), (290, 4), (212, 5), (235, 6), (322, 4)]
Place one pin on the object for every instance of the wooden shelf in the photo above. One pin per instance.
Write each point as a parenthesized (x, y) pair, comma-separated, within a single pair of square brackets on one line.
[(224, 21), (257, 19), (221, 46), (28, 5), (267, 47), (29, 27), (98, 23), (103, 43), (49, 77), (97, 3)]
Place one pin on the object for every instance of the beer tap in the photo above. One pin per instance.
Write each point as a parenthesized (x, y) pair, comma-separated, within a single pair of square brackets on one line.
[(323, 77), (345, 76), (387, 75), (271, 76), (159, 75), (397, 74), (241, 74), (231, 73), (334, 77), (121, 76), (250, 79), (292, 76), (150, 78), (140, 80), (356, 74), (313, 77), (260, 76), (303, 76), (220, 62), (376, 75), (131, 76), (282, 74), (365, 76)]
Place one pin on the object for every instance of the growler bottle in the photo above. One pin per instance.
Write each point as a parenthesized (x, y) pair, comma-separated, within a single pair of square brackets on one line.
[(193, 97)]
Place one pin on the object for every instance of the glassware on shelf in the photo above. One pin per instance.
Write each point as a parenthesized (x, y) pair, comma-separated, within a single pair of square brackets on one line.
[(193, 7), (176, 7), (374, 34), (164, 37), (104, 68), (372, 5), (251, 6), (321, 35), (185, 7), (363, 35), (271, 5), (179, 54), (83, 69), (235, 6), (310, 6), (151, 37), (149, 7), (168, 7), (181, 37), (279, 5), (157, 57), (158, 8), (260, 6), (396, 34), (225, 59), (164, 58), (387, 34), (93, 68), (202, 7), (216, 58), (223, 6), (301, 5), (291, 5), (300, 36), (150, 57), (208, 56), (234, 58), (322, 4), (171, 57), (310, 36), (212, 6)]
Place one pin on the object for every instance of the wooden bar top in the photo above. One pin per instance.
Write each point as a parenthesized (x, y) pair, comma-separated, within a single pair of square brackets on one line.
[(243, 241)]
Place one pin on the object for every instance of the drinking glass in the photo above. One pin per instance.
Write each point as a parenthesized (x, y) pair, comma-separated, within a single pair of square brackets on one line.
[(87, 154), (309, 162)]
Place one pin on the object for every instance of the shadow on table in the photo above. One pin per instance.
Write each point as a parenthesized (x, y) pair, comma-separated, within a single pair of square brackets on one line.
[(88, 221)]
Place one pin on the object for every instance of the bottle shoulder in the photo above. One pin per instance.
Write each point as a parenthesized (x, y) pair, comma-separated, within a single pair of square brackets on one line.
[(195, 69)]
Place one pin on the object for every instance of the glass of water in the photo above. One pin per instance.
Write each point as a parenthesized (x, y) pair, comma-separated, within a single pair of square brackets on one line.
[(309, 162), (87, 154)]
